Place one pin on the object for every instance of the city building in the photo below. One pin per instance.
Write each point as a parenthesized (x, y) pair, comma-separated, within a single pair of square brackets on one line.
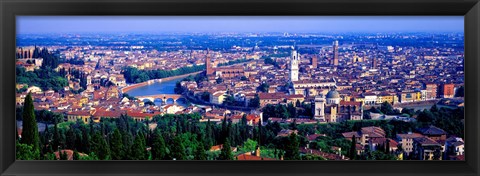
[(446, 90), (294, 61), (335, 53)]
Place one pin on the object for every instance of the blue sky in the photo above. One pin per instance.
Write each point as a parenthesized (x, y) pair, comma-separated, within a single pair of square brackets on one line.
[(322, 24)]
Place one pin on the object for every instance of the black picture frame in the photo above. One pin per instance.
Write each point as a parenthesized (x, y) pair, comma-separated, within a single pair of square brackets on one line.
[(470, 9)]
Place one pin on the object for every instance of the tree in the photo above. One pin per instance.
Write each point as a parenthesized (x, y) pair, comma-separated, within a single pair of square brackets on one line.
[(159, 149), (138, 149), (353, 148), (387, 146), (63, 155), (71, 138), (460, 92), (387, 108), (56, 136), (263, 87), (298, 104), (249, 145), (200, 153), (293, 125), (100, 146), (178, 149), (76, 155), (26, 152), (254, 102), (434, 108), (91, 156), (292, 148), (226, 152), (426, 117), (30, 134), (243, 78), (205, 96), (86, 141), (229, 100), (116, 145), (149, 103)]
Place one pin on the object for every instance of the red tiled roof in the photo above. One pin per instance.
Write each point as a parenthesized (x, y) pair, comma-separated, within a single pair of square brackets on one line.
[(252, 117), (349, 135), (79, 113), (425, 141), (392, 143), (409, 136), (104, 113), (373, 131), (252, 157), (271, 95), (216, 147), (139, 114), (69, 154), (312, 137)]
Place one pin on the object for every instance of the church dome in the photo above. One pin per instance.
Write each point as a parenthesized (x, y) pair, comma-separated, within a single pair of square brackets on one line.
[(333, 94)]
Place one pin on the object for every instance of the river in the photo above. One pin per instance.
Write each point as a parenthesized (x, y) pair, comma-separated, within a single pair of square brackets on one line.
[(164, 87)]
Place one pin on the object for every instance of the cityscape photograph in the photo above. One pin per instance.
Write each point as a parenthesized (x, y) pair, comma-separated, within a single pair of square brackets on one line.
[(240, 88)]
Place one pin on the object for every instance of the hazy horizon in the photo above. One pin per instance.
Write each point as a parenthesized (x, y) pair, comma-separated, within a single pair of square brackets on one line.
[(240, 24)]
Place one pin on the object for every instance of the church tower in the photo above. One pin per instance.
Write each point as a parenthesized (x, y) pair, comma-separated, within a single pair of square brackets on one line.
[(335, 53), (295, 59), (208, 63)]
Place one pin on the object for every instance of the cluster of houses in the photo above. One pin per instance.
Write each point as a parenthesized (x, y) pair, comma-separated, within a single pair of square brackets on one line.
[(424, 144)]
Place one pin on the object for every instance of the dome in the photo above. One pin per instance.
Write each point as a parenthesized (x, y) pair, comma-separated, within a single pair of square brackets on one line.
[(333, 94)]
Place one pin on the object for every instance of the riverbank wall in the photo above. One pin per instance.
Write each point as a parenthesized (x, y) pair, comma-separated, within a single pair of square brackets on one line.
[(134, 86)]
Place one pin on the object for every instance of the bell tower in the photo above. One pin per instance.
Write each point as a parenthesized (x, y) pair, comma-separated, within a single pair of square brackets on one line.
[(295, 59), (208, 63)]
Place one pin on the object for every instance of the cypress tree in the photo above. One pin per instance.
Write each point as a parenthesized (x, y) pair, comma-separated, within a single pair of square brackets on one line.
[(76, 155), (224, 130), (353, 148), (127, 139), (138, 151), (78, 141), (158, 146), (116, 145), (178, 149), (71, 138), (200, 152), (226, 152), (86, 141), (100, 147), (63, 155), (387, 146), (292, 148), (260, 132), (30, 134)]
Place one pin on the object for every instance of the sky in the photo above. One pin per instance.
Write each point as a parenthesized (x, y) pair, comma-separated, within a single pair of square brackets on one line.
[(320, 24)]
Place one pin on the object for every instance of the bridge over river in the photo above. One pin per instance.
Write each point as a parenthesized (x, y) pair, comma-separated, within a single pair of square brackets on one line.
[(161, 97)]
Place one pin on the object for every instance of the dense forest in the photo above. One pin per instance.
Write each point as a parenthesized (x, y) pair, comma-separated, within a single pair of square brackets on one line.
[(179, 137)]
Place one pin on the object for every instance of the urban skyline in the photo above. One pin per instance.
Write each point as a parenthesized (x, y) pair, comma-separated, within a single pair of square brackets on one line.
[(240, 96)]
